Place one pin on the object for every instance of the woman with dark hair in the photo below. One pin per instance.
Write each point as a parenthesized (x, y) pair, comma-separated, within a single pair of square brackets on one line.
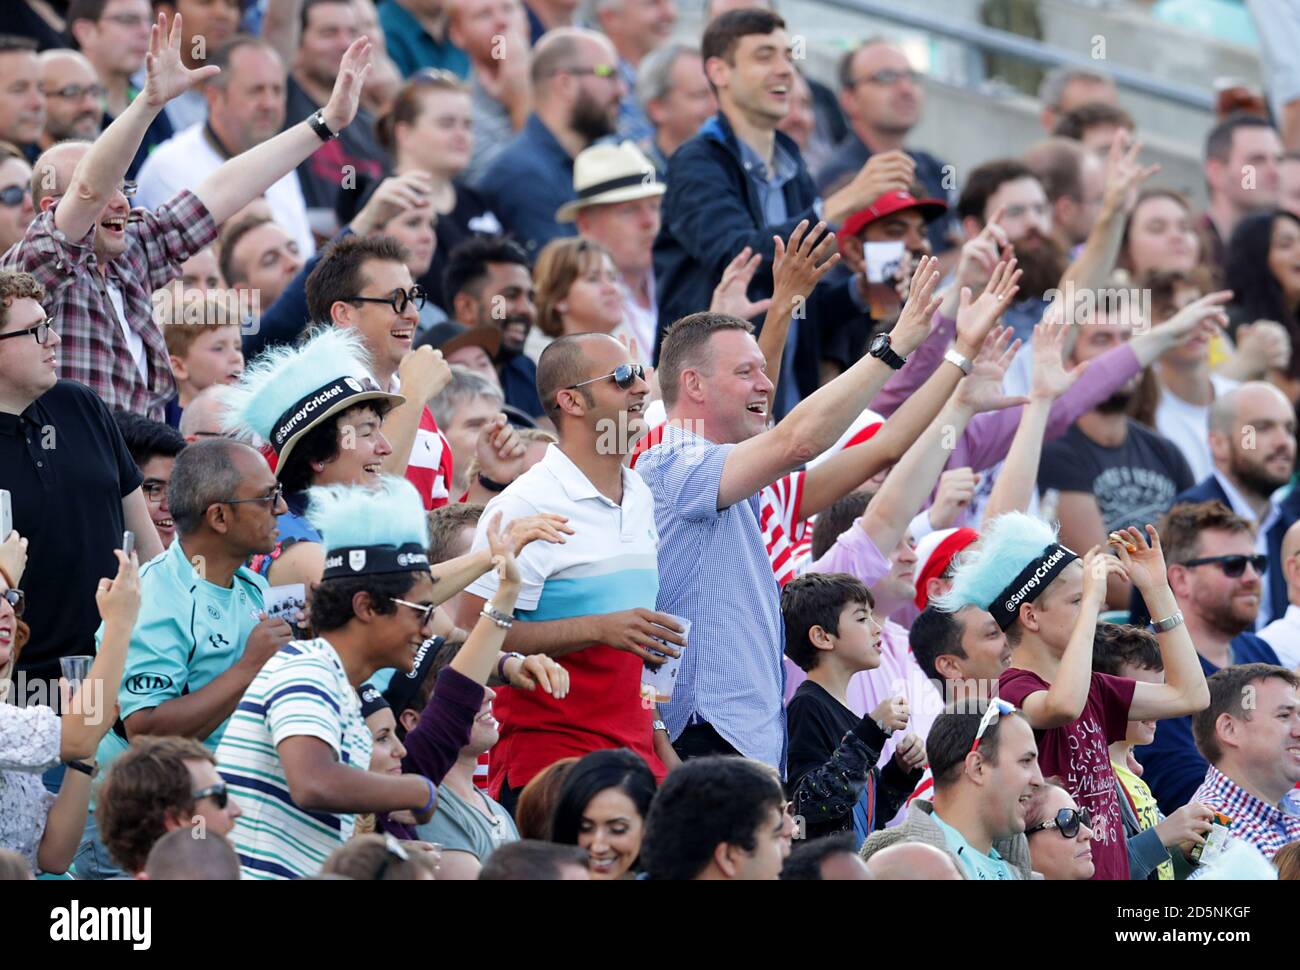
[(1160, 235), (1263, 271), (602, 808)]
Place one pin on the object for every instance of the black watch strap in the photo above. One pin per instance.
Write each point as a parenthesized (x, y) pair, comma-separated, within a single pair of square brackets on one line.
[(489, 484), (86, 769), (881, 350), (317, 122)]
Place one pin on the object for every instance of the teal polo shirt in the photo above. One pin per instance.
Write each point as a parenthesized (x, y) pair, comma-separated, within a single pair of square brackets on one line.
[(412, 47), (978, 865), (189, 632)]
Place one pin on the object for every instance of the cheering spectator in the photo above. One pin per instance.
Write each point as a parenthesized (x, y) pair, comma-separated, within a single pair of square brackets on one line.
[(203, 353), (16, 212), (1132, 652), (259, 257), (1060, 834), (245, 107), (578, 291), (884, 97), (1259, 268), (602, 808), (428, 131), (830, 858), (489, 283), (985, 772), (1242, 153), (577, 89), (22, 100), (73, 97), (379, 858), (1049, 614), (636, 28), (835, 781), (1253, 439), (179, 855), (535, 812), (717, 818), (965, 651), (1066, 88), (536, 861), (494, 35), (416, 31), (676, 98), (72, 501), (1094, 125), (912, 860), (208, 24), (1250, 735), (1283, 634), (1074, 180), (44, 830), (1214, 570), (1159, 235), (329, 29), (114, 36), (159, 785), (618, 208), (153, 447), (596, 395)]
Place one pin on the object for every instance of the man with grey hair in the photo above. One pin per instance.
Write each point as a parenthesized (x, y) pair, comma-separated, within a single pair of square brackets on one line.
[(577, 89), (468, 410), (182, 854), (73, 97), (1066, 87), (202, 419), (246, 106), (675, 96), (635, 27)]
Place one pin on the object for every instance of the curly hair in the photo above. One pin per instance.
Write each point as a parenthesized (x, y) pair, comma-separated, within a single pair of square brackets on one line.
[(17, 286)]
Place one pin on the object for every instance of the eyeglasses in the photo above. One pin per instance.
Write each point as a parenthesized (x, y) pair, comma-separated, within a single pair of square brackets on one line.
[(392, 850), (890, 77), (41, 332), (13, 195), (1234, 567), (424, 608), (216, 792), (438, 75), (1067, 822), (997, 708), (270, 501), (623, 376), (154, 491), (127, 20), (17, 599), (398, 300), (74, 92), (599, 70)]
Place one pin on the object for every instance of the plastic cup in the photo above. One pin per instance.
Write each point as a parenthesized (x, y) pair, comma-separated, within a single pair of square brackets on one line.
[(661, 680), (76, 669)]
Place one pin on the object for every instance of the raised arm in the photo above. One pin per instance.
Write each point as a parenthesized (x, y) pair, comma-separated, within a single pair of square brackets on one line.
[(248, 175)]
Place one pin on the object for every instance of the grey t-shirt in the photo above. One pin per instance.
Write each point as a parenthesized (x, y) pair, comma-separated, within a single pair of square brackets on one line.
[(461, 826)]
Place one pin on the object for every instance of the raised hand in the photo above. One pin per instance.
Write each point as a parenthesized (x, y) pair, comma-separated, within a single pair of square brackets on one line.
[(547, 527), (395, 195), (1098, 567), (980, 256), (1124, 176), (503, 554), (346, 96), (1051, 378), (883, 173), (1144, 561), (1264, 345), (955, 493), (798, 266), (731, 295), (500, 450), (981, 389), (118, 598), (976, 318), (892, 713), (1200, 318), (165, 73), (422, 374), (13, 557), (917, 316)]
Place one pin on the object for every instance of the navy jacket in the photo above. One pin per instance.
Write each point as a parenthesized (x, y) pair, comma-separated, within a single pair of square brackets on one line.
[(710, 213)]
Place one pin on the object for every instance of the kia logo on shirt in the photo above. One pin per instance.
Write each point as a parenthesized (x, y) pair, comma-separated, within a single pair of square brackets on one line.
[(147, 683)]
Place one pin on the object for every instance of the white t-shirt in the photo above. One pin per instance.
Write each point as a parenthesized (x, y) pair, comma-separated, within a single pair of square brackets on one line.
[(187, 158), (1188, 426), (134, 342)]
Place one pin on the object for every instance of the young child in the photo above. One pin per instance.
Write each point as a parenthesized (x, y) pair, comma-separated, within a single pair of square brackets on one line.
[(1130, 651), (831, 633), (203, 344)]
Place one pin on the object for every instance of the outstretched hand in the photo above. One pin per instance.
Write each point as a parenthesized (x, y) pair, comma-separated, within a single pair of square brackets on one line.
[(165, 74), (981, 389), (799, 265), (1143, 561), (345, 99), (1051, 377), (731, 295), (917, 316), (975, 318)]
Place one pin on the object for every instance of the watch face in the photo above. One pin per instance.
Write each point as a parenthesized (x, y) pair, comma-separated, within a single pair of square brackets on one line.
[(879, 342)]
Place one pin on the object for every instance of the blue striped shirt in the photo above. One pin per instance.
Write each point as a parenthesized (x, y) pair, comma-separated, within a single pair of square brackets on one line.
[(714, 570)]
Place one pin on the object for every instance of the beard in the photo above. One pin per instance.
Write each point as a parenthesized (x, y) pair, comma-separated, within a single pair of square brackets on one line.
[(590, 118), (1254, 477), (1042, 262), (1227, 618), (508, 348)]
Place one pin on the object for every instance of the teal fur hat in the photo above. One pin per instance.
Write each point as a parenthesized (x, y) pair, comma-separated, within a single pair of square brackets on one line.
[(367, 531)]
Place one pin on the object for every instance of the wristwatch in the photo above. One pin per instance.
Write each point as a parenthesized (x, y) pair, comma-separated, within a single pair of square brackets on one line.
[(90, 769), (881, 350), (659, 726), (1168, 623), (317, 122), (963, 363)]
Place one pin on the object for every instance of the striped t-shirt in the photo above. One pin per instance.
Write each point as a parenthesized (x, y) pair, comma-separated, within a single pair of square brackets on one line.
[(302, 691)]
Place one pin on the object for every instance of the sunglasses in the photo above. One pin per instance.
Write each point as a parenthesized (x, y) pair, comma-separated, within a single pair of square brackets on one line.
[(997, 708), (423, 608), (12, 195), (398, 300), (1067, 822), (216, 792), (599, 70), (623, 376), (1233, 566), (41, 332), (17, 599)]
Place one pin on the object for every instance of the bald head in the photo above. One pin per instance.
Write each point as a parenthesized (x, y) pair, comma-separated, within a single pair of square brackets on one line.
[(1241, 402), (180, 855), (568, 47), (52, 173), (205, 415), (571, 360), (73, 96), (912, 860)]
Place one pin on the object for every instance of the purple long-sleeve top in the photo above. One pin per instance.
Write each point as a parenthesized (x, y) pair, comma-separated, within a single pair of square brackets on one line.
[(434, 744)]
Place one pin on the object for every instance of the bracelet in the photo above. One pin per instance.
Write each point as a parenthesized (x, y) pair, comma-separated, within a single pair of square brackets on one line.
[(90, 770), (959, 361), (1168, 623), (433, 797), (501, 664), (504, 620)]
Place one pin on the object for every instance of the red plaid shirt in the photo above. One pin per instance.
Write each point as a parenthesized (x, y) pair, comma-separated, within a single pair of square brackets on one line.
[(94, 350)]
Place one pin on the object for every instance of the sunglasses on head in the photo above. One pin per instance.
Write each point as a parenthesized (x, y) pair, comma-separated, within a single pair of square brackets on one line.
[(1233, 566), (216, 792), (997, 708), (623, 376), (1067, 822)]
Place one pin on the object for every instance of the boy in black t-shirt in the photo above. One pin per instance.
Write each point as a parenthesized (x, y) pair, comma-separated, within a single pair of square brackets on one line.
[(833, 777)]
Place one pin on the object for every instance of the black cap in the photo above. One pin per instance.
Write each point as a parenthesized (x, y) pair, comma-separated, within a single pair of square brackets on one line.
[(371, 700), (404, 689)]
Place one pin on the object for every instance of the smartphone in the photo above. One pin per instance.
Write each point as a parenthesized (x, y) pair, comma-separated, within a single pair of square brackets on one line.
[(6, 514), (128, 542)]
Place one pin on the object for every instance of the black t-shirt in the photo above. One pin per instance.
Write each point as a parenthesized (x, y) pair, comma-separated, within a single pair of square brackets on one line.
[(323, 173), (471, 217), (1134, 484), (67, 470)]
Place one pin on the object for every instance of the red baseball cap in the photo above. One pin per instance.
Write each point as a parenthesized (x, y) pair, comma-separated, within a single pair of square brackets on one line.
[(888, 204)]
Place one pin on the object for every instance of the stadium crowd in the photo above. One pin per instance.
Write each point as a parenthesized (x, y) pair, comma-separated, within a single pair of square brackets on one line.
[(861, 517)]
